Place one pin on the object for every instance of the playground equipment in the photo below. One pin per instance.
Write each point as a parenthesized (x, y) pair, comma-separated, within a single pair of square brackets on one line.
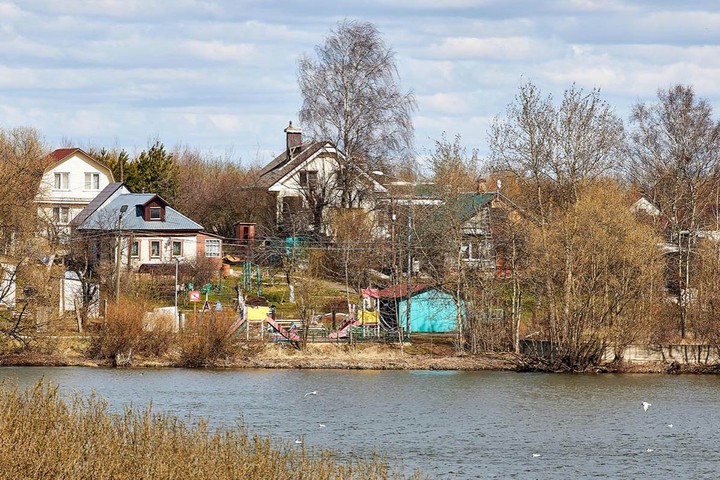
[(289, 335)]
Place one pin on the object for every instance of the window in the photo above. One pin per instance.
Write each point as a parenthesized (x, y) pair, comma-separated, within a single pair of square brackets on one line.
[(92, 181), (61, 214), (155, 249), (212, 248), (308, 179), (135, 249), (177, 248), (62, 181), (155, 213)]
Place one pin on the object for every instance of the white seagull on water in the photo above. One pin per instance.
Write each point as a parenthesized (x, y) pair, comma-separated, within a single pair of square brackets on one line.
[(314, 392), (298, 441), (646, 405)]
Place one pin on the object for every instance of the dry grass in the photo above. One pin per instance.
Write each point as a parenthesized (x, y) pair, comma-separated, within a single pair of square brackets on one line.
[(208, 343), (124, 334), (47, 436)]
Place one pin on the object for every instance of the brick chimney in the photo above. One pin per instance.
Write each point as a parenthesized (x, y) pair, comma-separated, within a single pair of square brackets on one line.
[(293, 136)]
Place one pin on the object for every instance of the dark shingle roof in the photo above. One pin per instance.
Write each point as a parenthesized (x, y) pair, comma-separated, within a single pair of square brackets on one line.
[(282, 165)]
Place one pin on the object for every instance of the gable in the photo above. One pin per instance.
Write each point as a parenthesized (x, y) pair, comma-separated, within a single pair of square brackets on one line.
[(75, 159)]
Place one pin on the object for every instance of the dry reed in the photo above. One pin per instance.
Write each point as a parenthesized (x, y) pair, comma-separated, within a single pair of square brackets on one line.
[(47, 435)]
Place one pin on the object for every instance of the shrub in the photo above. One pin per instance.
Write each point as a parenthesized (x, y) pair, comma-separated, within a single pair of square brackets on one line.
[(208, 342), (126, 333)]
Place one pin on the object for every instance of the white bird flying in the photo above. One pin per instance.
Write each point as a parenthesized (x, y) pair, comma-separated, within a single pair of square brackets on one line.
[(314, 392), (536, 455), (646, 405)]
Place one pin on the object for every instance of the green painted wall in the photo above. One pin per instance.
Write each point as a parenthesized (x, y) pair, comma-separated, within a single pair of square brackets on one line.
[(430, 311)]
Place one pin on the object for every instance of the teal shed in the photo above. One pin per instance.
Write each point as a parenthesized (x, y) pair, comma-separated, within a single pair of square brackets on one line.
[(431, 310)]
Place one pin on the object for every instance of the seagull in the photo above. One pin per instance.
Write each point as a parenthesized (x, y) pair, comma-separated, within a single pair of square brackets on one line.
[(322, 425), (536, 455), (670, 425), (298, 441), (649, 450), (314, 392), (646, 405)]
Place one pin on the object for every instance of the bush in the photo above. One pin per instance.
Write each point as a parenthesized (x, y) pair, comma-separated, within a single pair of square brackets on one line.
[(209, 341), (124, 334)]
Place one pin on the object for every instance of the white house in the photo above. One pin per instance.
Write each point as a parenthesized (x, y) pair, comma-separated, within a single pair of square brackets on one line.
[(152, 232), (311, 173), (68, 185)]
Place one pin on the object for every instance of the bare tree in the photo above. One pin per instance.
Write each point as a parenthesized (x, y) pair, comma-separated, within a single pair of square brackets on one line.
[(560, 155), (675, 159), (352, 97)]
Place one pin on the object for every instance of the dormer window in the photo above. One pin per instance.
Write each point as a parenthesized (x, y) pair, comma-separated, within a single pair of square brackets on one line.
[(155, 213)]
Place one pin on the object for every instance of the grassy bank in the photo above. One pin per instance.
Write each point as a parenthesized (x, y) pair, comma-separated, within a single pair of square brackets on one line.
[(45, 435)]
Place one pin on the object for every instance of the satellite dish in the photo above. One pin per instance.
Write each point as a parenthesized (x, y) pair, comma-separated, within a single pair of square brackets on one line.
[(499, 184)]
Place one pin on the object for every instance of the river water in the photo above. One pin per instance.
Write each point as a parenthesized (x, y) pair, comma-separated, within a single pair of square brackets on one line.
[(448, 424)]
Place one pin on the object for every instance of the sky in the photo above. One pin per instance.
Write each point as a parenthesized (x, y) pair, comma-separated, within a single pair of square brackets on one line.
[(220, 76)]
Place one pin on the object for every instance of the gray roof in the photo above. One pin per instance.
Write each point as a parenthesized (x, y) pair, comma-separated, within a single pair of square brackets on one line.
[(95, 203), (106, 217)]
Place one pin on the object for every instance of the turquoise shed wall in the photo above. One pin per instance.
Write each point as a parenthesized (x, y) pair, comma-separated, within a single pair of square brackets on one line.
[(430, 311)]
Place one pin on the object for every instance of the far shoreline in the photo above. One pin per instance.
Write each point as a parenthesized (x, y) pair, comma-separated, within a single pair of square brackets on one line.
[(351, 361)]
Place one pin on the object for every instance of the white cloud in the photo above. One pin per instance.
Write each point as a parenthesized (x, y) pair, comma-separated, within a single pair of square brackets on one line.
[(496, 48)]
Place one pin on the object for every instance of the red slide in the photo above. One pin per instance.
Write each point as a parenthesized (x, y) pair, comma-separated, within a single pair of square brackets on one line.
[(292, 336)]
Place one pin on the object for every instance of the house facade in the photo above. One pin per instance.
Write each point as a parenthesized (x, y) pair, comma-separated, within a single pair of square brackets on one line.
[(310, 179), (71, 181), (151, 231)]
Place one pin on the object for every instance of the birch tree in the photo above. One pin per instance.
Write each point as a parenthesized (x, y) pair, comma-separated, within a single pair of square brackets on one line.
[(674, 158), (352, 96)]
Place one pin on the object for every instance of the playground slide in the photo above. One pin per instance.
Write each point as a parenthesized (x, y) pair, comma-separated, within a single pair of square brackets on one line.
[(342, 332), (292, 336), (237, 325)]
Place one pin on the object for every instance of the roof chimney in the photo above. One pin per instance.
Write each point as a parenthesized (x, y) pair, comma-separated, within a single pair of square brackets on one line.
[(481, 185), (293, 136)]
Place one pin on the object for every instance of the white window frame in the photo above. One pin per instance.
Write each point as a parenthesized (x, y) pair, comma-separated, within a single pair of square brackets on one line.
[(212, 247), (177, 242), (135, 249), (92, 181), (61, 215), (159, 213), (62, 181), (159, 248)]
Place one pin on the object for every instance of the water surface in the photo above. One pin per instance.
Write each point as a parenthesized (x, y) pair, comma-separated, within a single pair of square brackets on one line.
[(448, 424)]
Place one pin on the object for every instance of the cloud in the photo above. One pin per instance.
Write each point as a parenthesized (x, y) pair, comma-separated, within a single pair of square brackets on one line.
[(496, 48)]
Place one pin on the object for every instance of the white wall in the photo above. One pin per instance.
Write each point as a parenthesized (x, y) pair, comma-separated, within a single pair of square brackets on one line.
[(189, 249), (76, 196)]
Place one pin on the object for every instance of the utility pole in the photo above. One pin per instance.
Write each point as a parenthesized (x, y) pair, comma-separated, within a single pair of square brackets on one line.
[(118, 254), (409, 272)]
